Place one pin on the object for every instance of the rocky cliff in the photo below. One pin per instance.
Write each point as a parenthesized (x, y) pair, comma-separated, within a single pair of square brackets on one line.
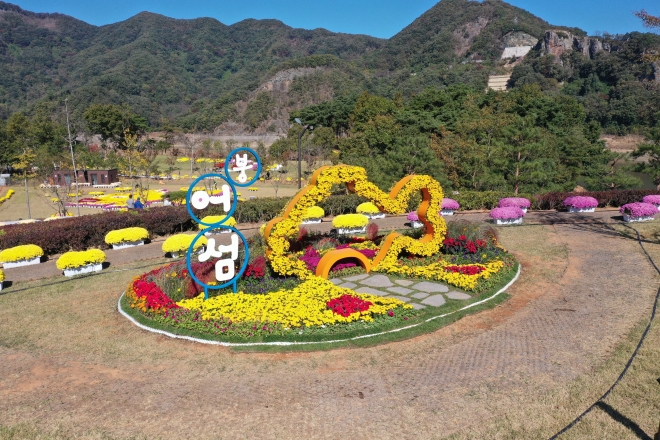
[(559, 42)]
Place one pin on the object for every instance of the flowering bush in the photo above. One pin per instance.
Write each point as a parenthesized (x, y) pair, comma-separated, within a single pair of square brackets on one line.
[(126, 235), (147, 296), (346, 305), (412, 216), (367, 208), (350, 221), (639, 209), (461, 245), (231, 221), (314, 212), (518, 202), (306, 304), (450, 204), (506, 213), (20, 253), (256, 269), (2, 276), (181, 243), (73, 259), (653, 199), (581, 202)]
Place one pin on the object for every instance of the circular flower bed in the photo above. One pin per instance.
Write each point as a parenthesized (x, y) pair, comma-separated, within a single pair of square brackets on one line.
[(581, 203)]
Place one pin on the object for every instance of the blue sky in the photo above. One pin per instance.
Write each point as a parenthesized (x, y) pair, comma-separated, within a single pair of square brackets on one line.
[(379, 18)]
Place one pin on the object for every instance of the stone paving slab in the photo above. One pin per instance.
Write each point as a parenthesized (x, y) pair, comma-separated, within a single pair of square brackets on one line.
[(377, 281), (458, 295), (435, 301), (370, 291), (404, 283), (348, 285), (357, 277), (429, 287), (400, 290)]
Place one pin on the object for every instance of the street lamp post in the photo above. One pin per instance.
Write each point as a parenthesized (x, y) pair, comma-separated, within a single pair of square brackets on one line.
[(300, 135)]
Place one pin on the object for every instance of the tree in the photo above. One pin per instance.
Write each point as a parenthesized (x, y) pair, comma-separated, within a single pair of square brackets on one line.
[(24, 162), (111, 122), (649, 21), (651, 149)]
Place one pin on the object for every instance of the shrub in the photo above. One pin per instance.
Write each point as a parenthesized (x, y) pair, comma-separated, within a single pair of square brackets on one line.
[(314, 212), (80, 233), (367, 208), (520, 202), (449, 204), (639, 209), (581, 202), (506, 213), (210, 219)]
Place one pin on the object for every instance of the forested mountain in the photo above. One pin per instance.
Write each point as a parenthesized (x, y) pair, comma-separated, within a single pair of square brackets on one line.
[(201, 74)]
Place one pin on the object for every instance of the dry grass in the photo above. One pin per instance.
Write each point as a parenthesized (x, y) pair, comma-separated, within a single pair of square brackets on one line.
[(73, 368)]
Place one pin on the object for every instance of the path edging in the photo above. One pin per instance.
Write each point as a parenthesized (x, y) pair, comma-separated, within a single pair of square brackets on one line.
[(288, 343)]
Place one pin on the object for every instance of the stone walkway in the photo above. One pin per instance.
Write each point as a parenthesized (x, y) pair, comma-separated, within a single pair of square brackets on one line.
[(418, 293)]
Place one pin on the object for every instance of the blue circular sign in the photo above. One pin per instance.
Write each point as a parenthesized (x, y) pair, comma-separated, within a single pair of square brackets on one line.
[(241, 168), (218, 253), (206, 199)]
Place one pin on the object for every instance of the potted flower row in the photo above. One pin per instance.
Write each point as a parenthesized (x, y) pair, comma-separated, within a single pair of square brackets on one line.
[(80, 262), (638, 212), (653, 199), (211, 219), (507, 215), (177, 245), (23, 255), (350, 223), (581, 204), (313, 215), (370, 210), (127, 237)]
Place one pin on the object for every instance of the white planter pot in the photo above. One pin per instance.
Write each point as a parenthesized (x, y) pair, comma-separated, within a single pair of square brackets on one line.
[(416, 224), (1, 283), (574, 209), (510, 221), (373, 216), (215, 231), (447, 212), (311, 221), (630, 219), (83, 269), (183, 253), (10, 264), (343, 231), (128, 244)]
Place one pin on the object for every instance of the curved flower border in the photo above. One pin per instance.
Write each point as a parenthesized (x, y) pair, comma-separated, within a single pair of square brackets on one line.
[(288, 343), (279, 229)]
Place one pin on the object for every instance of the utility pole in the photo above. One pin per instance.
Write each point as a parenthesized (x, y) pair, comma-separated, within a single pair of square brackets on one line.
[(300, 135), (73, 159), (27, 193)]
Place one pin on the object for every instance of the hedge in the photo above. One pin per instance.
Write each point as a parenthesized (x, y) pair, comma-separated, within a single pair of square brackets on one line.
[(81, 233)]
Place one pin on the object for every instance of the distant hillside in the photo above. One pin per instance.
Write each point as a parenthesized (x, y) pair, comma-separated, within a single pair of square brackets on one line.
[(246, 77)]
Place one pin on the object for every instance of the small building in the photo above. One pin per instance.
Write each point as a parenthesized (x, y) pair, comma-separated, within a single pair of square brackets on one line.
[(91, 177)]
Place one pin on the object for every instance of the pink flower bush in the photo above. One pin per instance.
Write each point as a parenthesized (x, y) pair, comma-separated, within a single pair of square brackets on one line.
[(507, 213), (518, 202), (412, 216), (639, 209), (450, 204), (653, 199), (581, 202)]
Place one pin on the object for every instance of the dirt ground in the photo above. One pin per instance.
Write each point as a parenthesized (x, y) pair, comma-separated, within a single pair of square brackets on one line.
[(73, 367)]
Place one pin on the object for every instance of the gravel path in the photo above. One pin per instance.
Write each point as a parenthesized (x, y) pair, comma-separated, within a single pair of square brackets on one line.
[(548, 334)]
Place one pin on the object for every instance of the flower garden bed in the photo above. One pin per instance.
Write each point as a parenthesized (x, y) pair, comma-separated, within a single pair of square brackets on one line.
[(77, 263), (297, 286), (127, 237), (638, 212)]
